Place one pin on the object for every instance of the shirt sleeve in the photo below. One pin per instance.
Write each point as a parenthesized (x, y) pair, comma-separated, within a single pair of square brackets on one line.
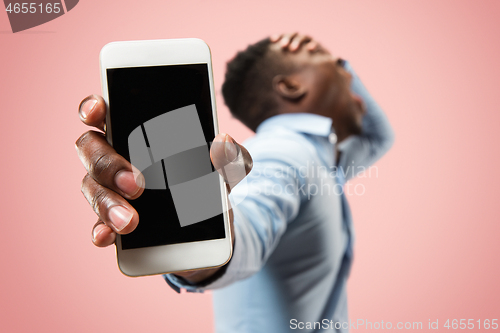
[(263, 203), (358, 152)]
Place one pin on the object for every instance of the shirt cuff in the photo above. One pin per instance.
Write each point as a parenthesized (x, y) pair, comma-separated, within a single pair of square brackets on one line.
[(228, 274), (177, 283)]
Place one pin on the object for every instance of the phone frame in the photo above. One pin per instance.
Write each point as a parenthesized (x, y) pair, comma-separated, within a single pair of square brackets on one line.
[(181, 256)]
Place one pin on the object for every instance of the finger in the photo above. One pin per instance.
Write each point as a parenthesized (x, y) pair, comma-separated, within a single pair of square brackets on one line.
[(92, 111), (312, 46), (102, 235), (298, 41), (275, 38), (286, 39), (230, 159), (111, 207), (320, 48), (107, 167)]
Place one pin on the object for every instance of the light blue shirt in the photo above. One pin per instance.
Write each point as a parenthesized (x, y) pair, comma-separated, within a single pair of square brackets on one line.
[(293, 228)]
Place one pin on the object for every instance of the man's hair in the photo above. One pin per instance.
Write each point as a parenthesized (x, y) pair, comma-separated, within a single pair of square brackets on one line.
[(247, 88)]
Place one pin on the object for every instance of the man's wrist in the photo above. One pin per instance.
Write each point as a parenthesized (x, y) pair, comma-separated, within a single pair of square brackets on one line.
[(203, 277), (196, 277)]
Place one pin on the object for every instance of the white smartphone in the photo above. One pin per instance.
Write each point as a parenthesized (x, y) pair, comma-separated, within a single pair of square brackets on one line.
[(161, 116)]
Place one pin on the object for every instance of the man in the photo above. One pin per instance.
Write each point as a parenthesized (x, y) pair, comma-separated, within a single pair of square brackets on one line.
[(316, 126)]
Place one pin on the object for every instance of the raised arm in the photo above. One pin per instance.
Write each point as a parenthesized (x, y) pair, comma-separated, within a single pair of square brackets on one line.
[(358, 152)]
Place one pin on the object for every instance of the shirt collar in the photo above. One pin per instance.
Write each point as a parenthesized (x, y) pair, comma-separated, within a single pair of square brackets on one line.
[(308, 123)]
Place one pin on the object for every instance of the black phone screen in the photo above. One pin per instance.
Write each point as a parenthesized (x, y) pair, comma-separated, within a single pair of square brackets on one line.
[(147, 99)]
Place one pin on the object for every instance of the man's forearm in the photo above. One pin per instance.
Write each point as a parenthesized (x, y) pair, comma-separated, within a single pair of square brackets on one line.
[(358, 152), (376, 126)]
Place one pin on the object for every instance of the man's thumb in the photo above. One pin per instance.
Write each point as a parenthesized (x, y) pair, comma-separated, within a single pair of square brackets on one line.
[(230, 159)]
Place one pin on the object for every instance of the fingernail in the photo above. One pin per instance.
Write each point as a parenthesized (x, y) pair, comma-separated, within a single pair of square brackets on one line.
[(88, 107), (120, 217), (97, 230), (230, 149), (126, 182)]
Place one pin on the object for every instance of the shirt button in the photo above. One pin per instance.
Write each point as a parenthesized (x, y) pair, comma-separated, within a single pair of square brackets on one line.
[(332, 138)]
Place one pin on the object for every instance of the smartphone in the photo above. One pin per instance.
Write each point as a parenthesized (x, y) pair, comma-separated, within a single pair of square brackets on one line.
[(161, 116)]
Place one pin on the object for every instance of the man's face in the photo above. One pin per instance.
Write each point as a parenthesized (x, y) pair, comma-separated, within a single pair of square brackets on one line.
[(328, 84)]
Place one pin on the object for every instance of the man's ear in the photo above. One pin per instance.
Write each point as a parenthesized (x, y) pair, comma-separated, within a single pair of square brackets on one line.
[(289, 87)]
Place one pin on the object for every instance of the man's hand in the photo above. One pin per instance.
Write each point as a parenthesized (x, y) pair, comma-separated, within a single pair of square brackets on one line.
[(111, 179), (292, 42)]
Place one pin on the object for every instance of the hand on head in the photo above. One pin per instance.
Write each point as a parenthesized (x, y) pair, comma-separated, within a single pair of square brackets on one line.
[(293, 42)]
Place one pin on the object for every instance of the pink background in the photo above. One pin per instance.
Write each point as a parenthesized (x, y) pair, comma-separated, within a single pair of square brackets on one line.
[(428, 228)]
